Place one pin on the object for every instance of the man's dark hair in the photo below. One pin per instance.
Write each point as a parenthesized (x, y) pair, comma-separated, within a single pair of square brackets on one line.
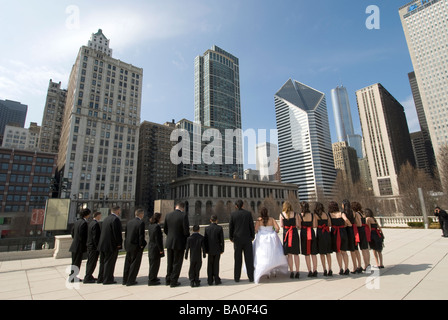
[(239, 204), (85, 213), (214, 218), (196, 228), (181, 205)]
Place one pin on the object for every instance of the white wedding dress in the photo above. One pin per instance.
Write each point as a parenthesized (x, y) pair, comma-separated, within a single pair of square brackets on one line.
[(269, 258)]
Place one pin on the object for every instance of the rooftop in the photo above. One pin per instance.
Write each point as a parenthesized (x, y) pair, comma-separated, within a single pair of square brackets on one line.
[(416, 264)]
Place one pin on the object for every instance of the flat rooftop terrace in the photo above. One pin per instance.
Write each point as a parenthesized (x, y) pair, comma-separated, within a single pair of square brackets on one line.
[(415, 260)]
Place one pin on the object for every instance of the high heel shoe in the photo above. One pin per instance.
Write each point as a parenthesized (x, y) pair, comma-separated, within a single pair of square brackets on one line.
[(347, 272)]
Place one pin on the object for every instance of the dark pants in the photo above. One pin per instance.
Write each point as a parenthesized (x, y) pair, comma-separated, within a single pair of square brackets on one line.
[(132, 264), (444, 225), (195, 268), (92, 260), (246, 249), (76, 261), (213, 268), (154, 265), (110, 259), (175, 259)]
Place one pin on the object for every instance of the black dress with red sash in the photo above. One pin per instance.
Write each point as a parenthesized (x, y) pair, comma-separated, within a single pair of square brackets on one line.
[(339, 237), (376, 238), (323, 237), (290, 235), (308, 238), (364, 234)]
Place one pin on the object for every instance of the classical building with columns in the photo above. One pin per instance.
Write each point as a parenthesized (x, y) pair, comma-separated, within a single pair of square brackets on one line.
[(207, 195)]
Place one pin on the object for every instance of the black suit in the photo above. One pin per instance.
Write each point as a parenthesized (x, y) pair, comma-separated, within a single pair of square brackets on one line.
[(93, 238), (134, 244), (214, 247), (177, 229), (155, 251), (79, 243), (196, 245), (111, 241), (242, 233)]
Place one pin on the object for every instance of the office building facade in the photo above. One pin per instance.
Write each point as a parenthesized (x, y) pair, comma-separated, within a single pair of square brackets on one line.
[(425, 25), (11, 112), (100, 133), (155, 169), (51, 127), (218, 104), (386, 138), (343, 119), (304, 140)]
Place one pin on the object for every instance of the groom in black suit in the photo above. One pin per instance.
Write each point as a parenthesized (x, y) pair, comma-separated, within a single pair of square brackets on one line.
[(242, 233), (177, 230)]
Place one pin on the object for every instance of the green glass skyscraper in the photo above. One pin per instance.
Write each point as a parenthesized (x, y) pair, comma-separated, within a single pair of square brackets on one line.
[(218, 106)]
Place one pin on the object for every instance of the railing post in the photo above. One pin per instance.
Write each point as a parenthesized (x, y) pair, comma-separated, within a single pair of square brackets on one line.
[(422, 202)]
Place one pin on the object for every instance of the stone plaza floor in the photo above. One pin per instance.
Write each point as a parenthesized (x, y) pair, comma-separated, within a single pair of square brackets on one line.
[(415, 260)]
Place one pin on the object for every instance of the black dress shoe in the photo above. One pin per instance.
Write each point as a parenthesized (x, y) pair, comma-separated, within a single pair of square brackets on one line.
[(155, 283), (133, 283), (173, 285), (109, 282)]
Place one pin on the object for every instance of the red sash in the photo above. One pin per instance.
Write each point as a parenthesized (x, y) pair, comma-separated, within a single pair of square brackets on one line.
[(377, 232), (288, 235), (309, 237), (338, 236), (367, 231), (324, 228), (355, 231)]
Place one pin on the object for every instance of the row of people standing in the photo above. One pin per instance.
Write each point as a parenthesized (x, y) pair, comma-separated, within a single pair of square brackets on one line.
[(105, 242), (321, 232)]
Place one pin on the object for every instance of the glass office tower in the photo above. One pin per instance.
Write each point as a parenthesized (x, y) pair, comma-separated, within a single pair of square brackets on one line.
[(343, 120), (218, 106)]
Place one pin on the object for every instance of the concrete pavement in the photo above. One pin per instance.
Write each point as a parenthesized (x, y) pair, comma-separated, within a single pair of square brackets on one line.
[(416, 265)]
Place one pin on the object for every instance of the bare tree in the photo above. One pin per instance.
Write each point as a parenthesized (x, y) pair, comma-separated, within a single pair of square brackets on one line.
[(410, 180)]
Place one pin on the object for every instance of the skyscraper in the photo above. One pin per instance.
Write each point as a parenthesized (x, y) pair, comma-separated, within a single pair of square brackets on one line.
[(155, 169), (425, 159), (100, 133), (50, 133), (217, 104), (386, 137), (343, 120), (304, 140), (11, 112), (426, 30)]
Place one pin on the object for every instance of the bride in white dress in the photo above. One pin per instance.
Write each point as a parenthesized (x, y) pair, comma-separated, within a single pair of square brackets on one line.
[(269, 257)]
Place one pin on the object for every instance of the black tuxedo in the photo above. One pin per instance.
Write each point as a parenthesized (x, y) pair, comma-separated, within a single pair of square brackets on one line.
[(214, 247), (134, 244), (93, 238), (195, 245), (155, 247), (177, 229), (242, 233), (79, 243), (111, 241)]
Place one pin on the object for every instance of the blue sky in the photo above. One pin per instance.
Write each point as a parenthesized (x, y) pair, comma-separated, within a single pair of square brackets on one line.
[(322, 43)]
